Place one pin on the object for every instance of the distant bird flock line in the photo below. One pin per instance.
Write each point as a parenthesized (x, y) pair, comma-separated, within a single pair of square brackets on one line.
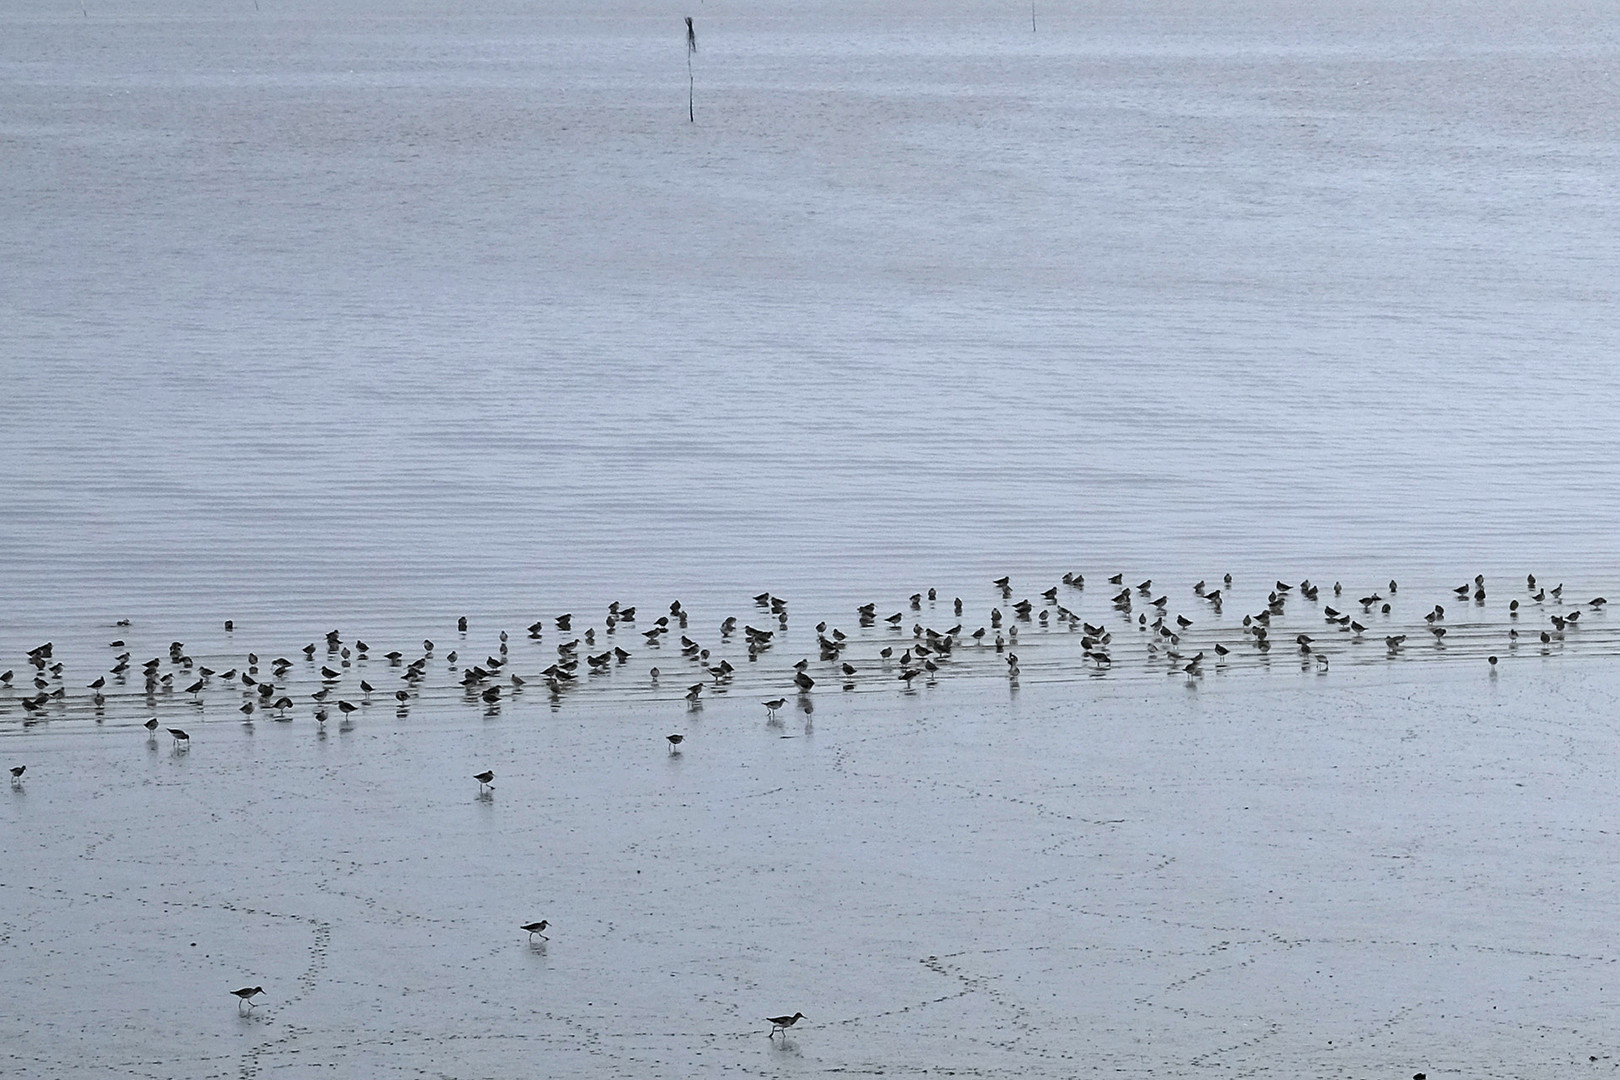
[(1055, 633)]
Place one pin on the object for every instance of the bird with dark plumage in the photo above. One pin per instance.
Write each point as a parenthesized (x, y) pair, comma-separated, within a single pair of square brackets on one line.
[(675, 742), (782, 1023), (484, 779), (536, 928)]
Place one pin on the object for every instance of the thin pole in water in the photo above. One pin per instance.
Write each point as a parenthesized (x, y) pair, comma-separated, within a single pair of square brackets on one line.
[(691, 47), (1032, 16)]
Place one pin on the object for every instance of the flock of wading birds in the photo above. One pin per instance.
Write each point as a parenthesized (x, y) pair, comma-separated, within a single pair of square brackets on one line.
[(269, 694), (929, 649)]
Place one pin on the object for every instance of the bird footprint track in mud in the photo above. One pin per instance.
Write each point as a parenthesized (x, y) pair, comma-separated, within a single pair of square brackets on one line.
[(1384, 1027), (933, 964), (1273, 1029), (373, 904), (1018, 1015), (318, 949), (841, 764)]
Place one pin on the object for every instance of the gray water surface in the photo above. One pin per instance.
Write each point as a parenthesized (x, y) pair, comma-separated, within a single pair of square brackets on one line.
[(327, 313)]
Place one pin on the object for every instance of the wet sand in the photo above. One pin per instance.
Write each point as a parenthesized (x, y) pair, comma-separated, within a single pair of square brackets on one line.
[(1379, 872)]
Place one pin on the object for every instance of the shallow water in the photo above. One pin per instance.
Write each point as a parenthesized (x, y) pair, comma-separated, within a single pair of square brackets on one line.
[(323, 314)]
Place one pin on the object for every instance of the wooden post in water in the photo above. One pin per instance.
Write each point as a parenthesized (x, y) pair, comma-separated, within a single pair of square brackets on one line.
[(691, 47)]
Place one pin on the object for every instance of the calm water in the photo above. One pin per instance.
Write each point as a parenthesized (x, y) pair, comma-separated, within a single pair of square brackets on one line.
[(315, 315)]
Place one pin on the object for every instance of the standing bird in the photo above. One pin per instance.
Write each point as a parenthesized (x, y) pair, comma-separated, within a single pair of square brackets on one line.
[(17, 773), (180, 737), (782, 1023), (674, 742), (484, 780), (536, 928), (246, 995), (151, 725), (774, 704)]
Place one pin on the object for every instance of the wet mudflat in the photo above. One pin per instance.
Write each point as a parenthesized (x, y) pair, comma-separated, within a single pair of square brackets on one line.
[(1373, 872)]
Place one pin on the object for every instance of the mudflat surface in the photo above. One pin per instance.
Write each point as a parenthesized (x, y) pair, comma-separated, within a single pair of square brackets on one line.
[(1371, 872)]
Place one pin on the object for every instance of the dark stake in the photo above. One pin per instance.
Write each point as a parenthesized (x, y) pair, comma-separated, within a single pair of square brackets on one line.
[(691, 47)]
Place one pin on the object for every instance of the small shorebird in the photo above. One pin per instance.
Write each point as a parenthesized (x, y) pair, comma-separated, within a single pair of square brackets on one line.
[(180, 737), (246, 995), (536, 928), (774, 704), (675, 742), (484, 779), (782, 1023), (16, 774), (151, 725)]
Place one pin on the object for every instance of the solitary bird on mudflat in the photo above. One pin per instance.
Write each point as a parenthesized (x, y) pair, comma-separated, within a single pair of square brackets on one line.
[(17, 773), (484, 779), (782, 1023), (536, 928), (246, 995), (675, 742)]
